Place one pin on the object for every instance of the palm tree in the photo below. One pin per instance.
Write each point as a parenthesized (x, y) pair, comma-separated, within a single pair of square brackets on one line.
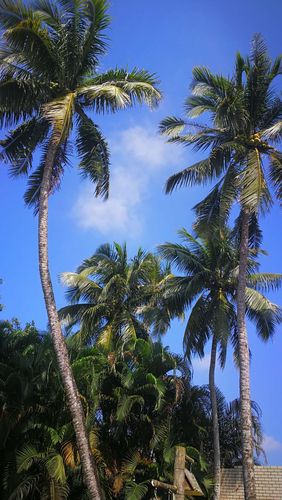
[(139, 403), (49, 82), (196, 403), (230, 438), (245, 127), (115, 298), (129, 396), (209, 286)]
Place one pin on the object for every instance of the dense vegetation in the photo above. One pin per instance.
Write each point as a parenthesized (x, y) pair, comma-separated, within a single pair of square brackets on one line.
[(241, 141), (139, 402), (49, 83)]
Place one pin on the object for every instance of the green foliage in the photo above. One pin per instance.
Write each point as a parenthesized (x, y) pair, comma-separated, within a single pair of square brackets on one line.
[(241, 140), (50, 81), (134, 491), (207, 288), (138, 401), (112, 295)]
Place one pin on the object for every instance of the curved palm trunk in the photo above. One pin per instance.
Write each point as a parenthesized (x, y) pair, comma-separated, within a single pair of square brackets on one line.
[(89, 470), (244, 362), (215, 426)]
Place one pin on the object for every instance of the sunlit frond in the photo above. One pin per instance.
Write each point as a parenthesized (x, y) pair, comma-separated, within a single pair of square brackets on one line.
[(265, 314), (59, 113), (118, 89), (254, 190), (172, 126)]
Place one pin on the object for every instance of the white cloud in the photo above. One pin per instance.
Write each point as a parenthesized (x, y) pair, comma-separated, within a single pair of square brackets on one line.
[(145, 147), (138, 155), (271, 444), (202, 364)]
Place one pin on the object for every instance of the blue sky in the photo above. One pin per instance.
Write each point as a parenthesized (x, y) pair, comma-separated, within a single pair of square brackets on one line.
[(168, 39)]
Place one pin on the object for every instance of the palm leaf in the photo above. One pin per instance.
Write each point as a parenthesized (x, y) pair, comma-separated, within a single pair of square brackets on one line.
[(59, 113), (31, 196), (276, 173), (94, 43), (117, 89), (93, 150), (126, 404), (26, 457), (172, 126), (265, 282), (56, 469), (135, 491), (20, 144), (198, 173), (263, 312), (254, 191)]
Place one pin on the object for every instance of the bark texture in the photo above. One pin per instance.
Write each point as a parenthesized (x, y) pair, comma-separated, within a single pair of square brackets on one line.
[(90, 474), (244, 362), (179, 472), (215, 425)]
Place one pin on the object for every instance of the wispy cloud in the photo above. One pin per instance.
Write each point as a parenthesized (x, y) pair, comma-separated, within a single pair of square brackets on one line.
[(138, 155), (271, 444), (202, 364)]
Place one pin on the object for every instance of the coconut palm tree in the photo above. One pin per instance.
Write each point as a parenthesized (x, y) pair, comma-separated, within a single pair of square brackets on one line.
[(139, 404), (242, 136), (49, 82), (114, 298), (209, 287)]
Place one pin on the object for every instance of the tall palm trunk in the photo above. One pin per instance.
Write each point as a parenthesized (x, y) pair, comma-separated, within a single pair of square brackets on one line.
[(215, 426), (244, 362), (89, 469)]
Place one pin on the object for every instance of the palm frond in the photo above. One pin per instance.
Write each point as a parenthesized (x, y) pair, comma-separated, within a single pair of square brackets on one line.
[(31, 196), (181, 256), (26, 458), (19, 145), (59, 113), (28, 486), (11, 13), (94, 41), (254, 192), (265, 282), (95, 158), (197, 330), (126, 404), (48, 12), (56, 469), (18, 101), (276, 173), (28, 38), (172, 126), (199, 173), (263, 312), (135, 491), (255, 232), (117, 89)]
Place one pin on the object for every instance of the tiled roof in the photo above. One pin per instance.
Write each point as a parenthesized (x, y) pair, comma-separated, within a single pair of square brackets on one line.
[(268, 483)]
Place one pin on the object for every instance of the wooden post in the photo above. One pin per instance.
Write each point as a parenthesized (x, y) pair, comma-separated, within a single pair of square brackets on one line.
[(163, 486), (179, 472)]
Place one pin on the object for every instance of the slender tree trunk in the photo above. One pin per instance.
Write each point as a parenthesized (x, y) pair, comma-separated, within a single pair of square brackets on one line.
[(215, 425), (244, 362), (88, 466)]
